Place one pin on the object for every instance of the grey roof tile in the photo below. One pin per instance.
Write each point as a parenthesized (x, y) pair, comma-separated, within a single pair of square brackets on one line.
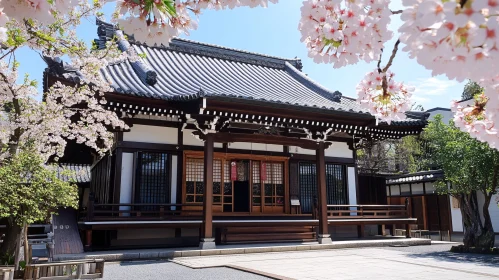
[(186, 75)]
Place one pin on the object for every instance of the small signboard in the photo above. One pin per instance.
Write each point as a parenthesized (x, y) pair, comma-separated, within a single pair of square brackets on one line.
[(295, 202), (233, 171), (263, 171)]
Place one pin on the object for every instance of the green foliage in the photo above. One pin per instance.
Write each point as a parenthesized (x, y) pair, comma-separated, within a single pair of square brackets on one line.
[(30, 191), (470, 90), (7, 259), (469, 165)]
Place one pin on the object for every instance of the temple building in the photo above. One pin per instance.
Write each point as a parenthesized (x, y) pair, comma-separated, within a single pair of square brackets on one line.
[(227, 146)]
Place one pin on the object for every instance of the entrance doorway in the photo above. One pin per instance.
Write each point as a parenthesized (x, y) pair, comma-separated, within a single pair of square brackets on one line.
[(242, 187)]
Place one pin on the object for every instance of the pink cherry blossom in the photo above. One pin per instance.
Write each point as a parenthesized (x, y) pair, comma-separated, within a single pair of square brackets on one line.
[(450, 39), (344, 32), (384, 98)]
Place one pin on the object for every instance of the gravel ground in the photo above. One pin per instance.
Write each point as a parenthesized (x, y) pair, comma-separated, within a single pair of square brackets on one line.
[(152, 270), (149, 270)]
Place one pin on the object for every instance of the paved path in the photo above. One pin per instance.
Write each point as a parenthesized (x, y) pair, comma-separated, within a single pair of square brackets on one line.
[(421, 262), (157, 270)]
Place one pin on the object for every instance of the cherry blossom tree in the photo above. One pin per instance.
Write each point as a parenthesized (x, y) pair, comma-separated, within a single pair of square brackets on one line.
[(456, 38), (69, 111)]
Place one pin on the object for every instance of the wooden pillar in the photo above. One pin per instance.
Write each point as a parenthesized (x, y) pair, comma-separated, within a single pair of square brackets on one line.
[(324, 237), (88, 240), (207, 240)]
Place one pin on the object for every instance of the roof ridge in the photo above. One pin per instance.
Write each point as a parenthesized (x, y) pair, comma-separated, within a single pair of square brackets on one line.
[(320, 89), (232, 49), (107, 31)]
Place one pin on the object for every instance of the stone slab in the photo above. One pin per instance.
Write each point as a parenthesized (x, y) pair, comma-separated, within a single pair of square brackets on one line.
[(113, 256)]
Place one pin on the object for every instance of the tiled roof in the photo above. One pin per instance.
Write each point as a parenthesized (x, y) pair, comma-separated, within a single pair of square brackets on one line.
[(78, 173), (187, 69), (422, 176)]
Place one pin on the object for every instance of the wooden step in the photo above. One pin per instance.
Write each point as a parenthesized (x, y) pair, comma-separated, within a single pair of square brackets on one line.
[(259, 230), (270, 237), (267, 234)]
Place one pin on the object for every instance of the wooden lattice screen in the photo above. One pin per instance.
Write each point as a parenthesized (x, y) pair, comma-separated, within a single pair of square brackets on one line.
[(257, 186), (153, 178), (274, 185), (99, 184), (194, 181), (336, 186)]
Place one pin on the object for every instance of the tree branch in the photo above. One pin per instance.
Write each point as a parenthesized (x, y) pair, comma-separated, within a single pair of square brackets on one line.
[(379, 61), (396, 12), (394, 52)]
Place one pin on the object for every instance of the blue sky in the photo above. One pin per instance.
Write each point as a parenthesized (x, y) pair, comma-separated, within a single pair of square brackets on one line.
[(273, 31)]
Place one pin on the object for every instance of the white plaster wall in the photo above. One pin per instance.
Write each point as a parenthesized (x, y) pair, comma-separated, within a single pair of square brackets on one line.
[(352, 187), (494, 213), (395, 190), (430, 188), (256, 146), (493, 210), (405, 189), (152, 134), (417, 188), (339, 149), (301, 151), (126, 181), (446, 115), (189, 139), (457, 218)]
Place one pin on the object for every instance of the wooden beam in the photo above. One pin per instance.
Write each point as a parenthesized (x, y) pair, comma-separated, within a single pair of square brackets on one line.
[(338, 160), (207, 229), (321, 192), (147, 146), (265, 139)]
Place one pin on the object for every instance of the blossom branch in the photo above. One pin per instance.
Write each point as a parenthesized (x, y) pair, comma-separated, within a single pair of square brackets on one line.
[(379, 61), (396, 12), (394, 52)]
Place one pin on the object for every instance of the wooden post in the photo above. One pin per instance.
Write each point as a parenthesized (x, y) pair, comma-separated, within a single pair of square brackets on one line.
[(88, 240), (90, 207), (324, 237), (409, 214), (207, 240)]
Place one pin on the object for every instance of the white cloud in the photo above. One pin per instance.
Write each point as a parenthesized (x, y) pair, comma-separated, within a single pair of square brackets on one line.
[(432, 87)]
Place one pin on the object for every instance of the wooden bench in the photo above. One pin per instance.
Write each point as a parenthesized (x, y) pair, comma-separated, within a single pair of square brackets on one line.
[(6, 272), (77, 269)]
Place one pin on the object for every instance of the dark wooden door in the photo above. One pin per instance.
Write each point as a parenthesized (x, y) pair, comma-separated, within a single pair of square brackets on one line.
[(444, 208), (418, 210), (433, 213)]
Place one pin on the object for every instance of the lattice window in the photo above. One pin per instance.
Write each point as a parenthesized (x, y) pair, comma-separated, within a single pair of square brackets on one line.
[(217, 181), (273, 184), (336, 187), (153, 179), (257, 186), (194, 180), (308, 186), (227, 191), (336, 184)]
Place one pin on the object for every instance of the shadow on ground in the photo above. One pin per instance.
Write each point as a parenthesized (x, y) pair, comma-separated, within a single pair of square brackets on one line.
[(477, 259)]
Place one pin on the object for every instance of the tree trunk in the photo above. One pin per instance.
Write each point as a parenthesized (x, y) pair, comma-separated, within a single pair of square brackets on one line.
[(476, 234), (27, 256), (488, 236), (10, 240)]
